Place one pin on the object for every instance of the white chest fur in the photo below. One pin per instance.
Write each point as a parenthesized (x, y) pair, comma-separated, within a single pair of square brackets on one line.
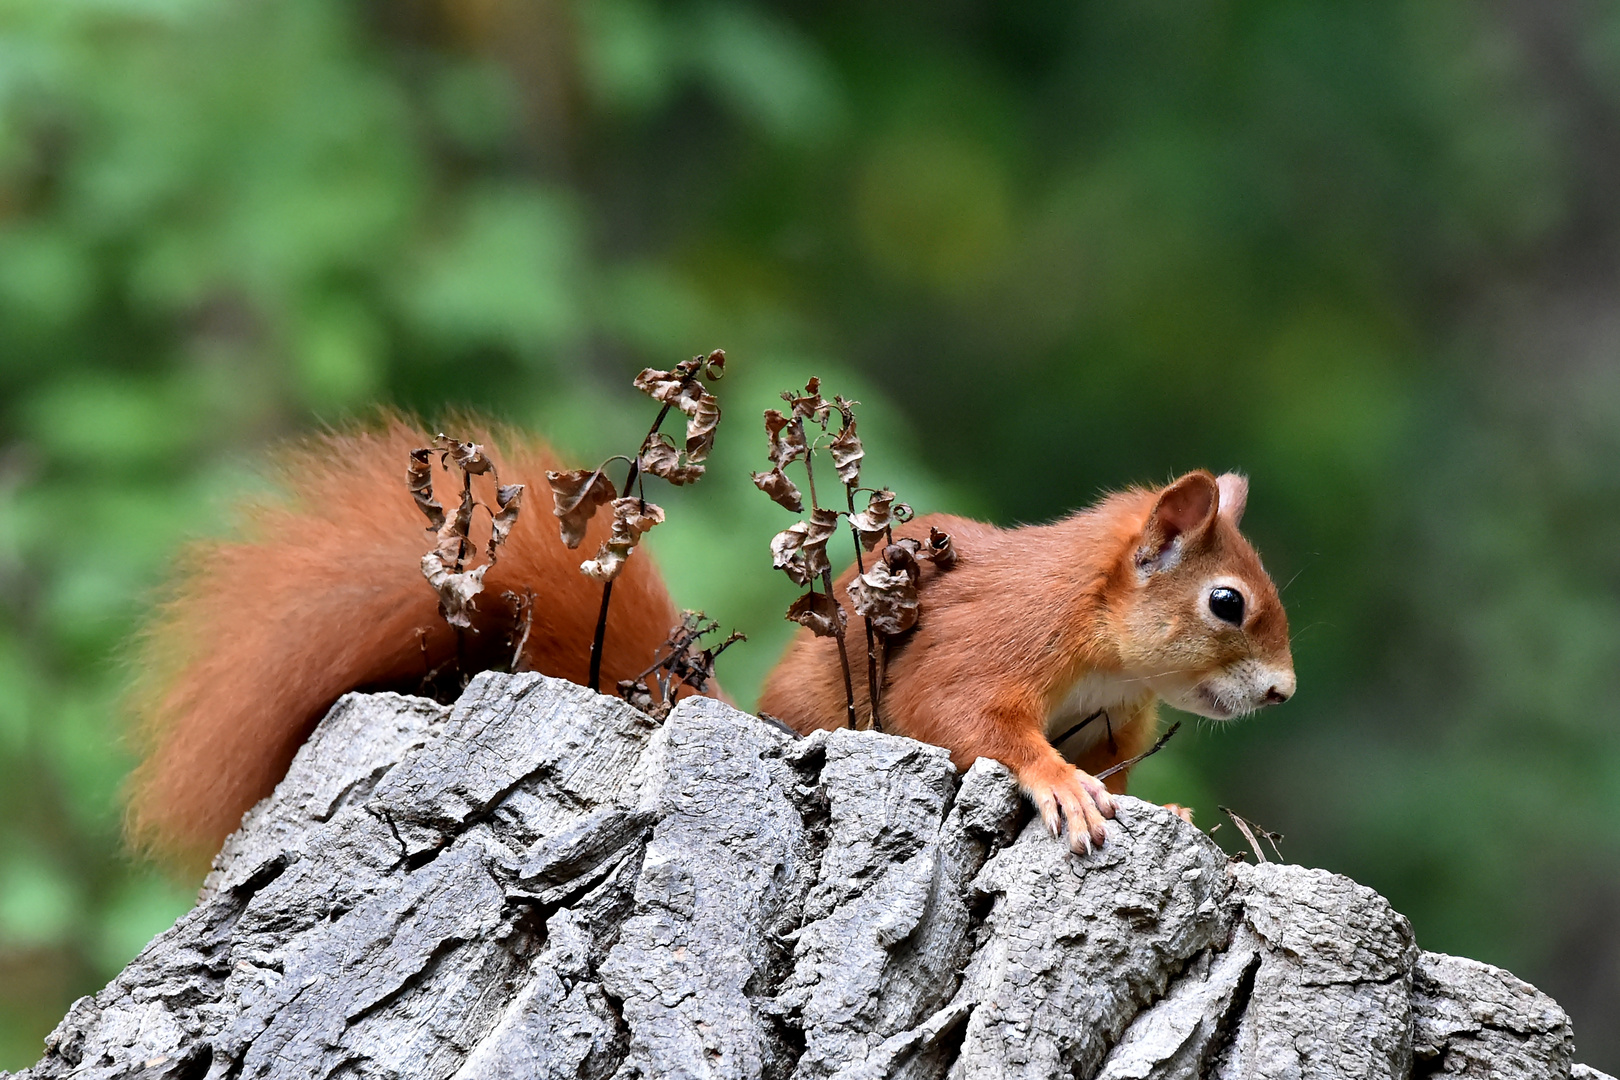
[(1094, 691)]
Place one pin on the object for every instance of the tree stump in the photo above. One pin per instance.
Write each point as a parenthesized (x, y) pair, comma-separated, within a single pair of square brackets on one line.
[(543, 882)]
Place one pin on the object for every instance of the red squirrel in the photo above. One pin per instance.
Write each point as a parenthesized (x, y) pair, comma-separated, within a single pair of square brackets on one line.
[(1149, 594)]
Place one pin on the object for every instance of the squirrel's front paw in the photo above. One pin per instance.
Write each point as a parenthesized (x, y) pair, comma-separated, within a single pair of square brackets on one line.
[(1066, 794)]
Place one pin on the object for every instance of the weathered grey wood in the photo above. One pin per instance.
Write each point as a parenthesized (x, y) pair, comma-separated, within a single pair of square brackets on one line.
[(886, 925), (1332, 993), (1076, 946), (1182, 1034), (528, 752), (560, 1025), (362, 738), (723, 880), (1475, 1020), (542, 882)]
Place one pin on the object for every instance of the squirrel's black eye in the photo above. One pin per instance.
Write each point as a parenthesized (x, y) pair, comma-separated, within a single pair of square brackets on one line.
[(1226, 605)]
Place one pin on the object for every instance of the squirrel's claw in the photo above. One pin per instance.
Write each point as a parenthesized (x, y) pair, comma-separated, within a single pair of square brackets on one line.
[(1047, 806), (1077, 800)]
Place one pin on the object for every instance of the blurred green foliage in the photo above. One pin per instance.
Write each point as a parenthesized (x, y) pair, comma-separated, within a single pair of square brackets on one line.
[(1366, 252)]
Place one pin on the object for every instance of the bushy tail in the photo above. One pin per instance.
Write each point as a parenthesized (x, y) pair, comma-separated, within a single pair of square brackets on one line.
[(322, 593)]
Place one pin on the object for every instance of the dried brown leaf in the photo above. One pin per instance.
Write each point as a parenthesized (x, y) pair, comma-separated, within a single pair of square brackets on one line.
[(901, 558), (941, 550), (823, 525), (468, 456), (508, 501), (681, 388), (786, 542), (887, 598), (787, 438), (660, 458), (714, 365), (456, 590), (818, 612), (777, 485), (847, 453), (609, 562), (576, 494), (787, 554), (702, 419), (419, 478), (808, 405), (662, 386), (632, 517), (696, 670), (523, 623), (874, 522), (814, 561), (683, 660), (800, 550), (451, 545)]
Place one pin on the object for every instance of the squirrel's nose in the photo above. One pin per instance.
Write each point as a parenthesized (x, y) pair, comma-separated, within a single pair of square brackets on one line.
[(1281, 689)]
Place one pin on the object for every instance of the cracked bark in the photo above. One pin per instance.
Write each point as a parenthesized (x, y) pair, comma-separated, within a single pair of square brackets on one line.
[(541, 882)]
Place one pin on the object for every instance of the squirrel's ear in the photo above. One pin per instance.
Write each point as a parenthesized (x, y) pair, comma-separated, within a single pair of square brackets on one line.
[(1185, 509), (1234, 496)]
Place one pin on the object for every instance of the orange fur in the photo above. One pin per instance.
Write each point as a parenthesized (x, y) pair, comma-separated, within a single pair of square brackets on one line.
[(1028, 614), (323, 594)]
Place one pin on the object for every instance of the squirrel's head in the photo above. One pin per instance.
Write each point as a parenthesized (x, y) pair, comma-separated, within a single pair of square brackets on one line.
[(1203, 623)]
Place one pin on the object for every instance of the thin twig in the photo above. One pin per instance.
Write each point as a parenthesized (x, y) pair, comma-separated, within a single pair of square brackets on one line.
[(1061, 739), (430, 680), (607, 586), (601, 635), (462, 540), (526, 609), (1149, 752), (843, 656), (871, 638), (462, 544), (826, 577), (882, 671), (1250, 830), (872, 692), (678, 663)]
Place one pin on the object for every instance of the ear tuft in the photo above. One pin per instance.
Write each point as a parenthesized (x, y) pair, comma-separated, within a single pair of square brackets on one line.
[(1185, 509), (1234, 489)]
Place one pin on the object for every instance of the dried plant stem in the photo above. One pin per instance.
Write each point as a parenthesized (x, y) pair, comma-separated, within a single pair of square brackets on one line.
[(601, 635), (526, 611), (461, 561), (1067, 735), (1149, 752), (871, 638), (882, 666), (838, 626), (461, 541), (1250, 830), (843, 656), (595, 682)]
